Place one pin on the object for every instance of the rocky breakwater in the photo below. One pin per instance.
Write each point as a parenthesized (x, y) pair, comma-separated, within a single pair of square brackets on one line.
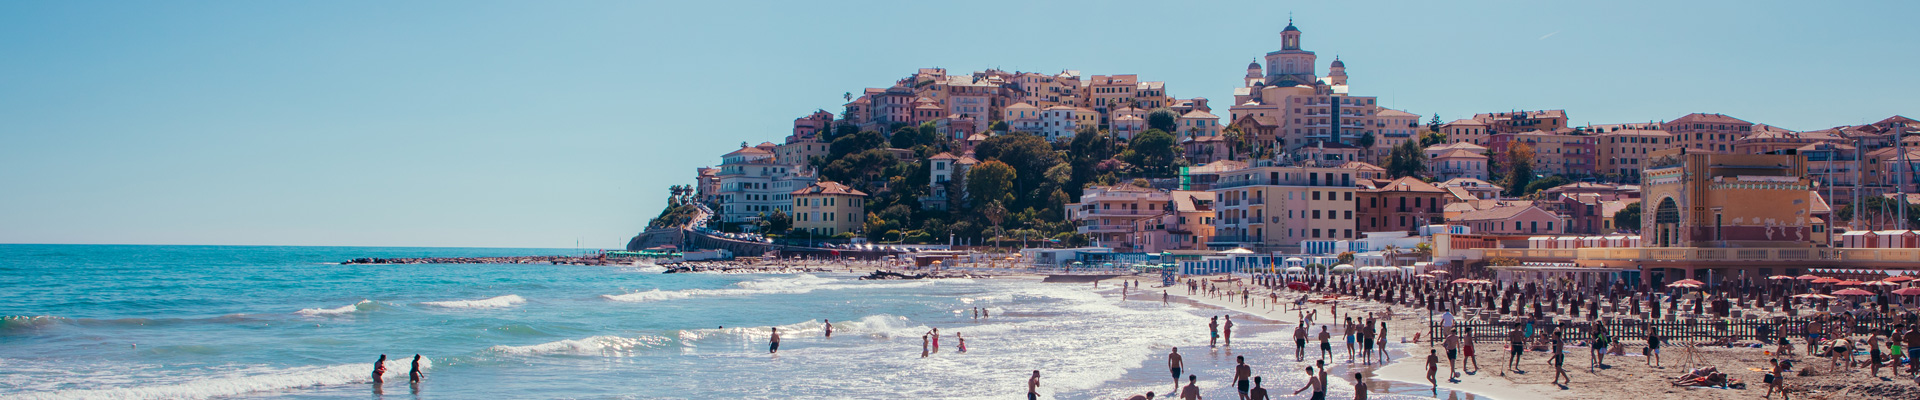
[(569, 260), (890, 275)]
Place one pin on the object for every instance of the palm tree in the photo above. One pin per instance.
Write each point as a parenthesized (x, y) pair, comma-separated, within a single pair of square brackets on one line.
[(1392, 253)]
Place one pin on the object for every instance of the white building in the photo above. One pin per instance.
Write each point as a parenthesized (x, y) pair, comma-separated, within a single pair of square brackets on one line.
[(752, 183)]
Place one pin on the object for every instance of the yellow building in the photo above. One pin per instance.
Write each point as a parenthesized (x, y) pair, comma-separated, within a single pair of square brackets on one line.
[(1271, 208), (1695, 199), (828, 208)]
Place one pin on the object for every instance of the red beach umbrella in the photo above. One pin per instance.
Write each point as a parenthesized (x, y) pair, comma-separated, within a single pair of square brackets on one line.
[(1687, 282), (1815, 296), (1779, 277), (1463, 280), (1880, 283), (1807, 277), (1852, 292), (1898, 279), (1912, 291), (1826, 280), (1850, 283)]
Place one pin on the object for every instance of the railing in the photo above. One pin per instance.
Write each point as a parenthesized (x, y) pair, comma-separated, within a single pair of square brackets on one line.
[(1635, 330), (1748, 254)]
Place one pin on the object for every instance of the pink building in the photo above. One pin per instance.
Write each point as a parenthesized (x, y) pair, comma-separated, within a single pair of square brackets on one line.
[(1517, 218)]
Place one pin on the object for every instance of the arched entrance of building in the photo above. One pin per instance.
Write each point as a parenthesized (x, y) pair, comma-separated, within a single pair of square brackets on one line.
[(1666, 223)]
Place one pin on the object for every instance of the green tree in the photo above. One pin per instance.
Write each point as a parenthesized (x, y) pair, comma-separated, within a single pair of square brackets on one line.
[(1627, 219), (859, 169), (1519, 168), (1088, 147), (990, 182), (1538, 185), (998, 126), (1434, 124), (855, 143), (1407, 159), (777, 222), (1163, 119), (1029, 155), (1881, 212), (1153, 152)]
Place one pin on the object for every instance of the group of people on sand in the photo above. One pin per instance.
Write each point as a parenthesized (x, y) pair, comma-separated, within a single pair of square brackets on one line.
[(380, 372), (1250, 386)]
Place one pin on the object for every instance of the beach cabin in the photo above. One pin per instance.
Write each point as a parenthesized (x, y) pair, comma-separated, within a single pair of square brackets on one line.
[(1566, 242), (1857, 239), (1896, 239)]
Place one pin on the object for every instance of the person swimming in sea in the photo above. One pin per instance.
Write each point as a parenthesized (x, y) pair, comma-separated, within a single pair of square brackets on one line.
[(963, 341)]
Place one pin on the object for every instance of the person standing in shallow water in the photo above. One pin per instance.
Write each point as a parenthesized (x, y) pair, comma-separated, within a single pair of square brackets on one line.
[(1174, 364), (415, 375), (380, 370), (829, 326), (774, 346), (1226, 332), (1213, 328), (1033, 386)]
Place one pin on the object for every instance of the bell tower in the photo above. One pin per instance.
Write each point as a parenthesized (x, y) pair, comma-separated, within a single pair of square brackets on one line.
[(1290, 65)]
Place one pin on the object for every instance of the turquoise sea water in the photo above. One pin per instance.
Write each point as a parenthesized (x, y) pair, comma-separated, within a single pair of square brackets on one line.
[(87, 321)]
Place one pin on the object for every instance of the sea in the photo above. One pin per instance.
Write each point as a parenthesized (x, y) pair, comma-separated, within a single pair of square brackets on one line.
[(151, 322)]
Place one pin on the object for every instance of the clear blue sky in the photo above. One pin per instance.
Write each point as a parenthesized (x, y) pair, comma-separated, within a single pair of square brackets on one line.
[(539, 124)]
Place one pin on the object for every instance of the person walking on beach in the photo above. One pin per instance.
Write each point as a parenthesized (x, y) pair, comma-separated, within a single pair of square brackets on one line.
[(1174, 364), (1468, 353), (1242, 376), (1776, 379), (1033, 386), (829, 327), (1382, 342), (1313, 382), (1559, 361), (1227, 333), (1347, 330), (1300, 341), (414, 376), (1192, 391), (1359, 387), (1433, 367), (1213, 329), (1366, 342), (380, 370), (1259, 392), (1326, 348), (1452, 344), (774, 347), (1653, 348), (1516, 344), (1163, 300)]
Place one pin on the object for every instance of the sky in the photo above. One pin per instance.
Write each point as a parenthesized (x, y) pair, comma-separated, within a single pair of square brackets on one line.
[(561, 124)]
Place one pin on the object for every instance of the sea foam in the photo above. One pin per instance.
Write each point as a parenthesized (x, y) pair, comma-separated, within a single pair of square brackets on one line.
[(798, 284), (244, 380), (338, 311), (592, 346), (495, 302)]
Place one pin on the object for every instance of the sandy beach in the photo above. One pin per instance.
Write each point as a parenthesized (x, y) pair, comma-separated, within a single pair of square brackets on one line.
[(1625, 377)]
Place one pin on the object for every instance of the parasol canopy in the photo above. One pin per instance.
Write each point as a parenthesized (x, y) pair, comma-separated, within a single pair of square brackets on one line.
[(1814, 296), (1827, 280), (1807, 277), (1880, 283), (1908, 292), (1852, 292), (1898, 279), (1423, 276), (1683, 285), (1849, 283), (1296, 270), (1437, 271), (1779, 277), (1463, 280), (1689, 282)]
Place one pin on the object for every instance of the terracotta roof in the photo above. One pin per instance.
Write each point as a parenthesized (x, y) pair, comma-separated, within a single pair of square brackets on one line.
[(1187, 200), (1405, 184), (944, 156), (1021, 106), (1498, 212), (1361, 166), (828, 188), (1708, 119), (1200, 114), (1388, 112), (749, 150), (1459, 153), (1465, 122)]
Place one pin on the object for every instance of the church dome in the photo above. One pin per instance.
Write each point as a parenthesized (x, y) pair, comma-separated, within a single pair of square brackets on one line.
[(1253, 65), (1290, 28), (1338, 64)]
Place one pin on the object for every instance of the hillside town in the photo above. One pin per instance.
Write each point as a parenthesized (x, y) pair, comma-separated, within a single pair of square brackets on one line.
[(1303, 170)]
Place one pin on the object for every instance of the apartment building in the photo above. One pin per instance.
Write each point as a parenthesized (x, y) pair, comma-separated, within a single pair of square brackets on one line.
[(828, 208), (1623, 152), (1402, 205), (1273, 208), (1134, 219), (1286, 105), (1710, 132), (751, 182)]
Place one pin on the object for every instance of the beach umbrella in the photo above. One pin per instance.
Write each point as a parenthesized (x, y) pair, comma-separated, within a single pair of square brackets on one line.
[(1849, 283), (1814, 296), (1898, 279), (1826, 280), (1779, 277), (1688, 282), (1423, 276), (1482, 282), (1683, 285), (1912, 291), (1880, 283), (1296, 270), (1852, 292), (1437, 271), (1807, 277), (1463, 281)]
